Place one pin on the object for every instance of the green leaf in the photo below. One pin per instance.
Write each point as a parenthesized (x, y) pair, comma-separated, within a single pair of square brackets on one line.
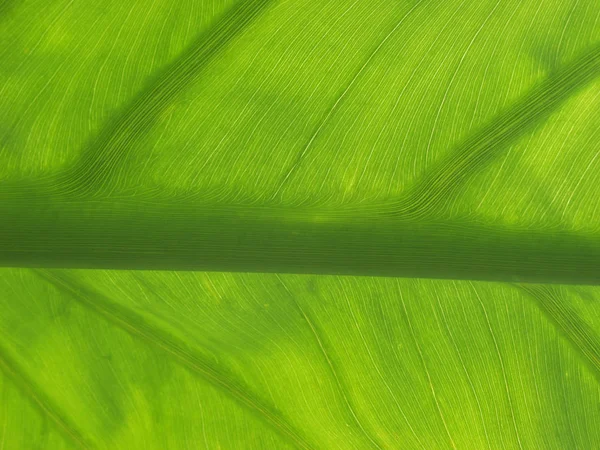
[(451, 147)]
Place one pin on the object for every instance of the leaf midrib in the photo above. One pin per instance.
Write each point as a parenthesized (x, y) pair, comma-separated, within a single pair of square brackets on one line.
[(114, 235)]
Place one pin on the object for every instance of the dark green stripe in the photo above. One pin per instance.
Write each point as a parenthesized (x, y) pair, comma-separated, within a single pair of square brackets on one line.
[(182, 236)]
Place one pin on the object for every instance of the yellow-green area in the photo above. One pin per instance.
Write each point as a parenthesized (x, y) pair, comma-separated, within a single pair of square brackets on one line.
[(112, 359)]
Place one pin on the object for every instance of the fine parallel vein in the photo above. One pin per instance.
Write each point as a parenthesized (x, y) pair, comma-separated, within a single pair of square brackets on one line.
[(49, 408), (110, 147), (490, 142), (374, 440), (583, 339), (176, 348)]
